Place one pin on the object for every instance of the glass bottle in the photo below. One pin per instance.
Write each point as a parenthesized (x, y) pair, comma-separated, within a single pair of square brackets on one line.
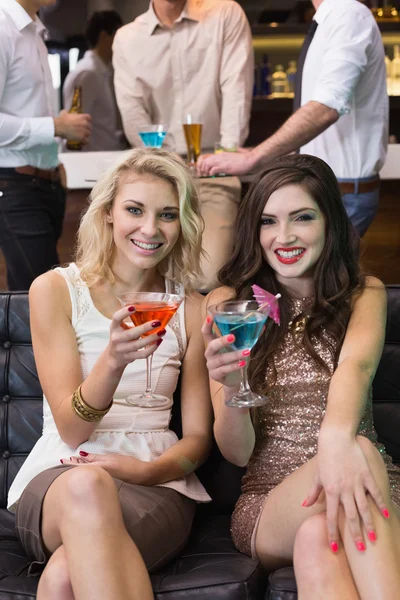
[(395, 71), (388, 64), (265, 76), (291, 76), (76, 107), (279, 83)]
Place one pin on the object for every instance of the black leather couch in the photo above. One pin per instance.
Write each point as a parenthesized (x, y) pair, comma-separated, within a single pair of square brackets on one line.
[(209, 567)]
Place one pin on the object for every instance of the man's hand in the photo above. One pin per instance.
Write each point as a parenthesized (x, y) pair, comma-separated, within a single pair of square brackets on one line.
[(72, 126), (227, 163)]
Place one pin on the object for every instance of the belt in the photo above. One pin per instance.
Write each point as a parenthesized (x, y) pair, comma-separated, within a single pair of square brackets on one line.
[(49, 174), (350, 187)]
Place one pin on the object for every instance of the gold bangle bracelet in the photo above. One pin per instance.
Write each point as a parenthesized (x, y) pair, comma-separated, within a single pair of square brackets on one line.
[(84, 410)]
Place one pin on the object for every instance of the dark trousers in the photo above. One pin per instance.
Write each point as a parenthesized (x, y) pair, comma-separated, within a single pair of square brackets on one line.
[(31, 218)]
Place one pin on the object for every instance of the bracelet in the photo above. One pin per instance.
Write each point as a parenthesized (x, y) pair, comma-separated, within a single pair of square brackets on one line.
[(85, 411)]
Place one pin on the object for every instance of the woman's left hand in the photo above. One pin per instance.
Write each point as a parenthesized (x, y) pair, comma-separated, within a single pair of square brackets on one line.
[(343, 473), (127, 468)]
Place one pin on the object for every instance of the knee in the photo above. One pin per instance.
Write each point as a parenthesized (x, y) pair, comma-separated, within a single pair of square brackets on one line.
[(311, 545), (88, 485), (55, 581)]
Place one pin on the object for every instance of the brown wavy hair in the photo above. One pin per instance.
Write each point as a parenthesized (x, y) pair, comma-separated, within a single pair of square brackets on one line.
[(337, 275)]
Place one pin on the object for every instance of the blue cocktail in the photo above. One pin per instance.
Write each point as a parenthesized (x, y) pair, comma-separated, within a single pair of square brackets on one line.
[(153, 135), (245, 321), (246, 331)]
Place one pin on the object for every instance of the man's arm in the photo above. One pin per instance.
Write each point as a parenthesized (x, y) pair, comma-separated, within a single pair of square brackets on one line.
[(236, 75), (303, 126), (20, 133), (130, 93)]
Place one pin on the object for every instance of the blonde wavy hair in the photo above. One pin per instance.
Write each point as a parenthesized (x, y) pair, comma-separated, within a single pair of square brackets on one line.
[(95, 242)]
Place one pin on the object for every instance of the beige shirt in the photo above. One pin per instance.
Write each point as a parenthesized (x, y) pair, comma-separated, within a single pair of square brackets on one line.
[(203, 65)]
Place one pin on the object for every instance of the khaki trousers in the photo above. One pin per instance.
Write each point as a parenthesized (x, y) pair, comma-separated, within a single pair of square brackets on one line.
[(219, 201)]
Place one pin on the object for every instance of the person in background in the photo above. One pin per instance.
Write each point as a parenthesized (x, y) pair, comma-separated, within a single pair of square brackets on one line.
[(94, 75), (109, 492), (342, 107), (319, 490), (32, 183), (193, 57)]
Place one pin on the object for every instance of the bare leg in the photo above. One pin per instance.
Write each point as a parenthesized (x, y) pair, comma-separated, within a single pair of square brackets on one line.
[(283, 515), (55, 583), (321, 574), (81, 511)]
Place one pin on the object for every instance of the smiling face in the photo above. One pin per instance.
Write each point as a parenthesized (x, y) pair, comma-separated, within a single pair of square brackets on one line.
[(292, 237), (145, 218)]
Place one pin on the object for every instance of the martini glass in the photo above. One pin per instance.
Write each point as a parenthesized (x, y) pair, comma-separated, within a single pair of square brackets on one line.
[(153, 135), (244, 320), (150, 306)]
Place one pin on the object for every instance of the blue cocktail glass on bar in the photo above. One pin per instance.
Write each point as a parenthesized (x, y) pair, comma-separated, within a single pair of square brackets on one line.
[(153, 135)]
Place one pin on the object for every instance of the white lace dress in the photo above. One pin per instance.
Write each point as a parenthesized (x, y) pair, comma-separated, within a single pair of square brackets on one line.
[(128, 430)]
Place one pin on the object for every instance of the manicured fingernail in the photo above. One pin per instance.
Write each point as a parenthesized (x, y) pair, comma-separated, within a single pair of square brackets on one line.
[(158, 342), (230, 338), (209, 319), (83, 453), (372, 536), (305, 502), (385, 513), (242, 363), (131, 309), (361, 546), (334, 547), (156, 324), (161, 332), (246, 352), (61, 461)]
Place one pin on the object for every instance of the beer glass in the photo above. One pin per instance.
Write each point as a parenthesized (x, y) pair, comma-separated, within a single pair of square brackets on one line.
[(192, 127)]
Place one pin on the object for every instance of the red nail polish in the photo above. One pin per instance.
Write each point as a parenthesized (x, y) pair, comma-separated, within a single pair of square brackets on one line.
[(305, 502), (131, 309), (162, 332), (61, 461), (361, 546), (385, 513), (230, 338), (208, 319), (246, 352), (242, 363), (372, 536), (83, 453), (156, 324), (158, 342), (334, 547)]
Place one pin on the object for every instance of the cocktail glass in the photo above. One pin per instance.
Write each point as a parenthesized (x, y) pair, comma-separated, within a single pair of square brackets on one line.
[(149, 306), (192, 127), (245, 321), (153, 135)]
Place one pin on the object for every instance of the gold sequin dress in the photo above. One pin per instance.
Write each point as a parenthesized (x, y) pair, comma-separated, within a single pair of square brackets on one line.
[(288, 427)]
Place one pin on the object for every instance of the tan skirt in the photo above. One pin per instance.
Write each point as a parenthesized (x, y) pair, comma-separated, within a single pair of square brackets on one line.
[(158, 519)]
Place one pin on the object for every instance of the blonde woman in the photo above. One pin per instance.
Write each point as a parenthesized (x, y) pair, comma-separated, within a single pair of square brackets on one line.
[(100, 503)]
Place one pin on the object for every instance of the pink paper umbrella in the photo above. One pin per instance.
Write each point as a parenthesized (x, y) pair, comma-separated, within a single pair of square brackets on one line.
[(267, 302)]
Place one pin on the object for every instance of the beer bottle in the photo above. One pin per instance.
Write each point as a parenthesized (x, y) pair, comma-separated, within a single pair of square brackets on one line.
[(76, 107)]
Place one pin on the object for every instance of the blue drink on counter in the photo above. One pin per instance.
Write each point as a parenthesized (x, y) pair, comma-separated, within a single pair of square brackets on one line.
[(153, 139), (246, 327)]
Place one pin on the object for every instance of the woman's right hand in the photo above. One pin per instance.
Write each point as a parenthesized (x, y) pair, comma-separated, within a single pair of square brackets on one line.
[(126, 344), (224, 364)]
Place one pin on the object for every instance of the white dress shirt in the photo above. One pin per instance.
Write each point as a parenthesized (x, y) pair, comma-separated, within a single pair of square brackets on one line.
[(345, 70), (203, 65), (98, 99), (26, 123)]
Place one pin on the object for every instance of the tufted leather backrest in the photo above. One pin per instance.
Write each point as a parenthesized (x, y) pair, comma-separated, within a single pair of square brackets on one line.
[(21, 400)]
